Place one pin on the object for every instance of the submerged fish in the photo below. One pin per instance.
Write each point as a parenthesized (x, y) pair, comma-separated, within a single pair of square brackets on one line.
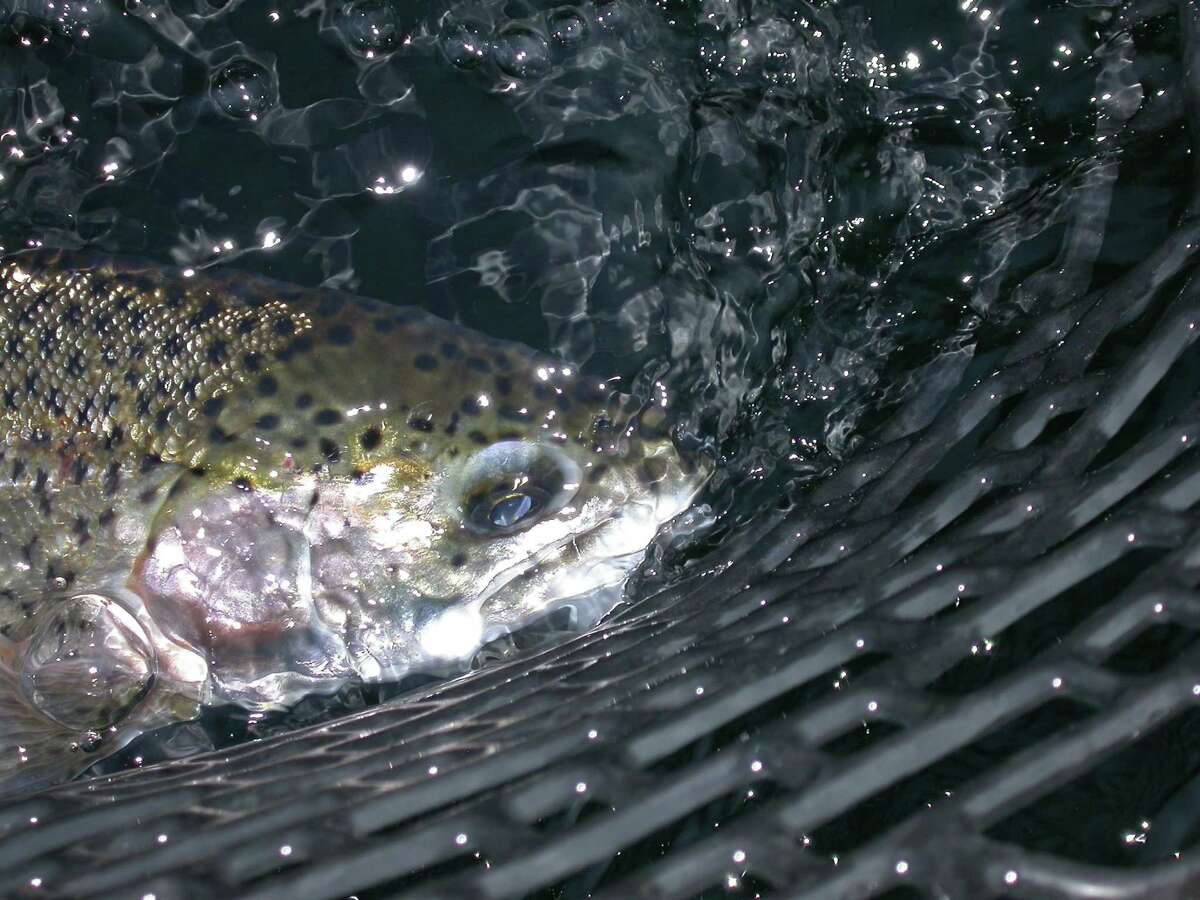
[(220, 488)]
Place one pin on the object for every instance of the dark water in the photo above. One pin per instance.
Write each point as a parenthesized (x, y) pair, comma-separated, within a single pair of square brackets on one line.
[(790, 215)]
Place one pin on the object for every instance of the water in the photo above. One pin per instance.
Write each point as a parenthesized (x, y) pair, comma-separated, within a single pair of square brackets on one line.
[(792, 215)]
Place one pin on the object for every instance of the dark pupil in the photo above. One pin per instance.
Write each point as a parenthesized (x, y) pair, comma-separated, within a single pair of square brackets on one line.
[(510, 510)]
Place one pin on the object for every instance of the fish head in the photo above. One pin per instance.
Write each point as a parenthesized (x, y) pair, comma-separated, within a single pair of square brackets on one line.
[(407, 512), (548, 496)]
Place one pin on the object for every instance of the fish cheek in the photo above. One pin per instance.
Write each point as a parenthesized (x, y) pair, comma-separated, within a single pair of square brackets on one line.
[(220, 572)]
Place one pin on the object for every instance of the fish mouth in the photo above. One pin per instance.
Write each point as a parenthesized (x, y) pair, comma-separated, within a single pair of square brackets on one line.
[(526, 590), (543, 556)]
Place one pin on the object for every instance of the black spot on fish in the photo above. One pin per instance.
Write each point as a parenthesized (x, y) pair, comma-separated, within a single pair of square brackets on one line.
[(469, 407), (478, 364), (39, 483), (371, 438), (421, 423), (452, 426), (18, 470), (304, 401), (173, 345), (340, 335), (478, 437), (112, 478), (242, 483), (189, 387), (267, 422), (150, 462), (327, 417), (330, 305), (587, 391), (329, 450), (160, 420), (542, 392), (651, 470), (245, 326), (206, 312), (299, 443), (426, 362), (198, 471), (503, 363), (79, 470), (450, 350), (105, 519), (513, 414), (218, 352), (562, 401), (302, 344), (284, 327), (74, 365), (142, 282), (219, 435), (383, 326), (147, 496), (212, 407), (80, 528), (252, 362), (504, 385), (267, 386), (458, 560)]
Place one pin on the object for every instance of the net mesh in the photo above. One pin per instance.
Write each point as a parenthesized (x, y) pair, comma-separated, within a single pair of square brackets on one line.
[(947, 670)]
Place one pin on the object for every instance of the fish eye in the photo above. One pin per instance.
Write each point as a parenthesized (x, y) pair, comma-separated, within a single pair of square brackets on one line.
[(512, 485), (510, 510)]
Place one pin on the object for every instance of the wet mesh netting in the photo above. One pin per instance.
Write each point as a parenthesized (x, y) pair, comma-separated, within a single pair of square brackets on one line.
[(963, 665)]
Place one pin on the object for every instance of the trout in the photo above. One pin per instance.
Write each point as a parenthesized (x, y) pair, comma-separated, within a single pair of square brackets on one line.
[(219, 488)]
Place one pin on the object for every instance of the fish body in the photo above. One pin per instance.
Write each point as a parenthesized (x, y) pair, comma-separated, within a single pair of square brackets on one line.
[(215, 487)]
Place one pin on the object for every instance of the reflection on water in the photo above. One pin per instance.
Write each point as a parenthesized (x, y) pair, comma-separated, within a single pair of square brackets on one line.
[(787, 216)]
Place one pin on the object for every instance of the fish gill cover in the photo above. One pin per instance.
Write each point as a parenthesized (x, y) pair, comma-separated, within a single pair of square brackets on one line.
[(919, 273)]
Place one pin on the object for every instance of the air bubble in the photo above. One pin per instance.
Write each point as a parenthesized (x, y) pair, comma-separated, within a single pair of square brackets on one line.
[(243, 89), (522, 53), (567, 27), (88, 664), (371, 27), (464, 44)]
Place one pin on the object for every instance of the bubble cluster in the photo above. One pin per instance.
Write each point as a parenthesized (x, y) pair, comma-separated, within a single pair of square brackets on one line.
[(243, 89)]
